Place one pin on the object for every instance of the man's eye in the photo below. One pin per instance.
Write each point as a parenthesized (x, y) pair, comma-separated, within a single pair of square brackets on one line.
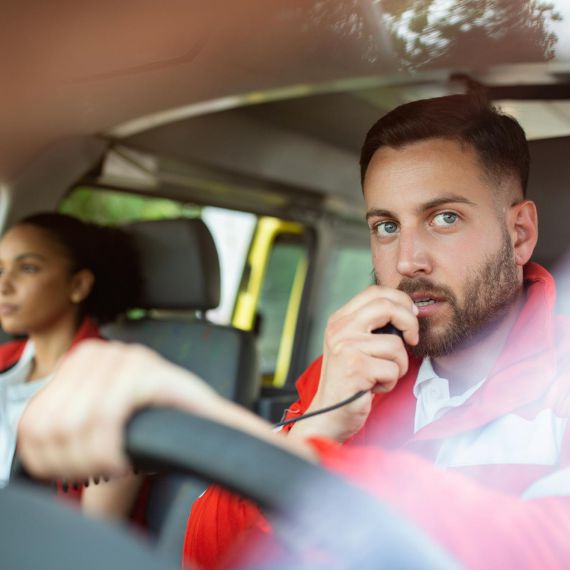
[(445, 219), (384, 229)]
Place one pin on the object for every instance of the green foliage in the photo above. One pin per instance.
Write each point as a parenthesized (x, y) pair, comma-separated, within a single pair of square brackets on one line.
[(429, 33), (110, 207)]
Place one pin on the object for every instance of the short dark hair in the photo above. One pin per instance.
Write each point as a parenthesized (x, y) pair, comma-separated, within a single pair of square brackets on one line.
[(498, 139), (107, 252)]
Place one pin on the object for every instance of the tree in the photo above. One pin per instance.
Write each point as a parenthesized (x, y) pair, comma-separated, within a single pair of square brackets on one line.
[(474, 33)]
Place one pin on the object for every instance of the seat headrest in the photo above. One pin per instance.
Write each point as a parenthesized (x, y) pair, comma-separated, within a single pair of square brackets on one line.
[(179, 264)]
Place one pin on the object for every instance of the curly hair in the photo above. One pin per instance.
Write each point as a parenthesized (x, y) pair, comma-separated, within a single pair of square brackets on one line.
[(108, 252)]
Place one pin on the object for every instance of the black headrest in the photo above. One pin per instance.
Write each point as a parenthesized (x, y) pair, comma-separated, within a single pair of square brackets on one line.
[(179, 262)]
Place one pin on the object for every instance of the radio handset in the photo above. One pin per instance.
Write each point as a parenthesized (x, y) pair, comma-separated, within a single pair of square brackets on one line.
[(389, 329)]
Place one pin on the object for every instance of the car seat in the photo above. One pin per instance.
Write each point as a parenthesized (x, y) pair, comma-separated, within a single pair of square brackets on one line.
[(181, 281)]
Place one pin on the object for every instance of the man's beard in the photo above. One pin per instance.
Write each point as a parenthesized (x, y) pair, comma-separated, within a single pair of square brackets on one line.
[(489, 292)]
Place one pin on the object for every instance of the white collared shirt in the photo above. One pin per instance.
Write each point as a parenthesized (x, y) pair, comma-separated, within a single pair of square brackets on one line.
[(15, 393), (507, 440), (432, 395)]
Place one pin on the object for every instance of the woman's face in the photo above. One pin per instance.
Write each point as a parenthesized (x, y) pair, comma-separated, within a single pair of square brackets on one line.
[(36, 284)]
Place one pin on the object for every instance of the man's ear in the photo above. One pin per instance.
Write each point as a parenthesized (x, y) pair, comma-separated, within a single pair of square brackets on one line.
[(81, 285), (523, 228)]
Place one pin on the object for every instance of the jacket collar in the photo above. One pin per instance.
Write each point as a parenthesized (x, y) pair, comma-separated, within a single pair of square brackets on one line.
[(87, 329), (521, 375), (524, 370)]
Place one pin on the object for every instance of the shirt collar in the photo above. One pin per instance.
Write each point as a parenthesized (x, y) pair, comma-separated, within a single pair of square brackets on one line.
[(425, 374)]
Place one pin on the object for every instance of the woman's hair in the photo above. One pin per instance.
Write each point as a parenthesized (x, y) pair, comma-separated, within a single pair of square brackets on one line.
[(107, 252)]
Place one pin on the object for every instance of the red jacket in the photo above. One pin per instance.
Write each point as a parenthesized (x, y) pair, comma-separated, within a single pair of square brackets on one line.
[(10, 352), (515, 427)]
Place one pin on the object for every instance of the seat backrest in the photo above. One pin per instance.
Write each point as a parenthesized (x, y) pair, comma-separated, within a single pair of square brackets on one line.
[(225, 357), (181, 274)]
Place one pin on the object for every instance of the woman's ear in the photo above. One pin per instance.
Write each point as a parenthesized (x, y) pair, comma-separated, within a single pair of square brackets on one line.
[(524, 230), (81, 285)]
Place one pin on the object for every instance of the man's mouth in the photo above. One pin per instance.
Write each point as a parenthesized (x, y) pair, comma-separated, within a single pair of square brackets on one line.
[(427, 302), (424, 302)]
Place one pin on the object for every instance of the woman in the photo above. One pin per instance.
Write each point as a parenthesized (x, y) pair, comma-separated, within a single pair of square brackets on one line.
[(59, 279)]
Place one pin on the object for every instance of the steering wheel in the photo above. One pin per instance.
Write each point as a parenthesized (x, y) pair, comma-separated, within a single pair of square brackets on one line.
[(309, 508)]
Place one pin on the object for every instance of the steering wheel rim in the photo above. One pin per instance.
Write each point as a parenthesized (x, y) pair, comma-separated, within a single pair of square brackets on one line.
[(166, 440)]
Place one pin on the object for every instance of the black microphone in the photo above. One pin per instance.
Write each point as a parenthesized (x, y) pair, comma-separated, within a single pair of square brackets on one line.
[(389, 329)]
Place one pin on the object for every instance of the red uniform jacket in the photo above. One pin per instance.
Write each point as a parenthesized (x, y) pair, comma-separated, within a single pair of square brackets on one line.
[(511, 433), (10, 352)]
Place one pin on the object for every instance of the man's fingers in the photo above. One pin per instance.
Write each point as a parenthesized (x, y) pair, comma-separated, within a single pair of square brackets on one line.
[(385, 375), (377, 313), (361, 363), (386, 347), (370, 294)]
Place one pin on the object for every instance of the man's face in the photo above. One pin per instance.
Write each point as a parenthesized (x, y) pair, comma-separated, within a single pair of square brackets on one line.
[(438, 233)]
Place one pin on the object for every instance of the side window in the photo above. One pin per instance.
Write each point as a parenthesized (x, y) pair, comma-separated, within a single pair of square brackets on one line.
[(113, 207), (270, 293), (278, 305), (347, 273)]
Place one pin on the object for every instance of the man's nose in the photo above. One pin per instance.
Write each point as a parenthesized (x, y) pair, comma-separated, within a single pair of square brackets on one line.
[(414, 257)]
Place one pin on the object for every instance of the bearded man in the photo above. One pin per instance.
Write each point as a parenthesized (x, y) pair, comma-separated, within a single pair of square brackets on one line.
[(469, 407), (471, 386)]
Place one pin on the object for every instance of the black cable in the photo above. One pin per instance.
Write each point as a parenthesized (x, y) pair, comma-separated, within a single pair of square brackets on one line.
[(322, 410)]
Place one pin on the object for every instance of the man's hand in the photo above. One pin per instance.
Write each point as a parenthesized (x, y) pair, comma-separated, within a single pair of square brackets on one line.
[(73, 428), (355, 360)]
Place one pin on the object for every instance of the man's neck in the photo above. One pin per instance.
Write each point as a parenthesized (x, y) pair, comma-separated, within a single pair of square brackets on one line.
[(472, 361)]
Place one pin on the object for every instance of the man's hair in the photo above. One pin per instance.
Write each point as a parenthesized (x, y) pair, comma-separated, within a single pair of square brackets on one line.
[(497, 138)]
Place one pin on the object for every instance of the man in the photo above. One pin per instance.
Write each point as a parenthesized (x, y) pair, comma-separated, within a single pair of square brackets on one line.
[(451, 235), (478, 384)]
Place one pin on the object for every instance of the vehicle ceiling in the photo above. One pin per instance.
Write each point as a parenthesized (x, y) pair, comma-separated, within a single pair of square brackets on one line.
[(266, 102)]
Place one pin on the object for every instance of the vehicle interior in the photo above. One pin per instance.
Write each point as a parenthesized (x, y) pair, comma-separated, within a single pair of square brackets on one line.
[(225, 136)]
